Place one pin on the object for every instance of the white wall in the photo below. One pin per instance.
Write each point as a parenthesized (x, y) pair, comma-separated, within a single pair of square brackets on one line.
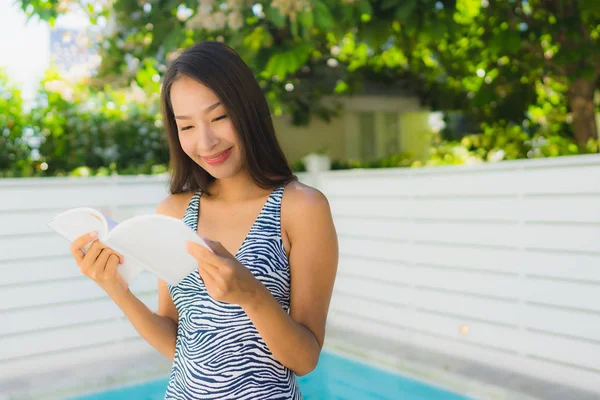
[(510, 252), (52, 317)]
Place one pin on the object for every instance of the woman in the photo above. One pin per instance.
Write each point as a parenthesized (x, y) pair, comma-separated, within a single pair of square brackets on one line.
[(253, 316)]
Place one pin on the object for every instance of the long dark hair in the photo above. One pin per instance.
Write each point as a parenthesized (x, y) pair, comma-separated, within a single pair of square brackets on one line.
[(221, 69)]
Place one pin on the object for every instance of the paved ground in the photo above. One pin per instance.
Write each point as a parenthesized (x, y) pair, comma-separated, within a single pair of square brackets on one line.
[(63, 384), (477, 380)]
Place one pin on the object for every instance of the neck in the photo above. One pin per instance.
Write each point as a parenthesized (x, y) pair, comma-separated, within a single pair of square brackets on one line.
[(239, 187)]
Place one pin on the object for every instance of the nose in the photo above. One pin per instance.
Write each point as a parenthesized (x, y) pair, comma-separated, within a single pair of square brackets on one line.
[(207, 140)]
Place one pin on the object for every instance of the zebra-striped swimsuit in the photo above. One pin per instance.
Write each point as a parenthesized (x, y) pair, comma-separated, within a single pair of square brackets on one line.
[(219, 353)]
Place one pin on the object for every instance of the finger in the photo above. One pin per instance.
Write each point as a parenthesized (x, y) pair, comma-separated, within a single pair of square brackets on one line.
[(218, 248), (207, 276), (81, 241), (201, 253), (92, 254), (98, 270), (78, 255), (110, 272)]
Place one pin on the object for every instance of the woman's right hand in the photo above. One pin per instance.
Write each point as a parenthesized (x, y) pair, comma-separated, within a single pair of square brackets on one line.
[(99, 263)]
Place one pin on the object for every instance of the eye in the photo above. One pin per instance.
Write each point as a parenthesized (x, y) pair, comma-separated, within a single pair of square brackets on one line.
[(220, 118), (185, 128)]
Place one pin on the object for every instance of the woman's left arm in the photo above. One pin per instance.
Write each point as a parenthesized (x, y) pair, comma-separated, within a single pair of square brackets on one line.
[(295, 339)]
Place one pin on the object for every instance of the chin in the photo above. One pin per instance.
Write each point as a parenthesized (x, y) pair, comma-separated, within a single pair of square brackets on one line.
[(222, 171), (220, 174)]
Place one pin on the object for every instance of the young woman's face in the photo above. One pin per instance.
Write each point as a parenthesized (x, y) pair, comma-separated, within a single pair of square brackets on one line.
[(206, 132)]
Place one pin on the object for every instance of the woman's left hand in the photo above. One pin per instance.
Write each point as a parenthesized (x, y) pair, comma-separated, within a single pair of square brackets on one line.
[(225, 278)]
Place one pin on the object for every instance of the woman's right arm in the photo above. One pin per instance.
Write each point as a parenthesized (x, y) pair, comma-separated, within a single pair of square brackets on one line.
[(159, 330), (100, 263)]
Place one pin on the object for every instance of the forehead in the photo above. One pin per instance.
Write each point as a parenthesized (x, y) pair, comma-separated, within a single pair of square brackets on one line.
[(189, 94)]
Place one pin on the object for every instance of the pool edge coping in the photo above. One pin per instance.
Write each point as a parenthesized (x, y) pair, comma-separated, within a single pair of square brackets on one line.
[(434, 376)]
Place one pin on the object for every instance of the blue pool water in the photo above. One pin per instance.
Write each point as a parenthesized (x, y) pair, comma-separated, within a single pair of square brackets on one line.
[(335, 378)]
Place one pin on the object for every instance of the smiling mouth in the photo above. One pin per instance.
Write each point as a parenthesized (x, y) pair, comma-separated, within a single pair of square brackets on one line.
[(218, 158)]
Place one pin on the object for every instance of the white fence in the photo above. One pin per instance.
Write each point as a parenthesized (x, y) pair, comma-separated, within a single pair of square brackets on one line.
[(496, 263), (52, 317), (499, 263)]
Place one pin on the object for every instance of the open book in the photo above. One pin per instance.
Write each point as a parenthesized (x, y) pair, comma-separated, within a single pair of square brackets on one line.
[(151, 242)]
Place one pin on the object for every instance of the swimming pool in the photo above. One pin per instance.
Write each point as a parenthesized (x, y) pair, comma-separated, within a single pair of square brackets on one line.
[(335, 378)]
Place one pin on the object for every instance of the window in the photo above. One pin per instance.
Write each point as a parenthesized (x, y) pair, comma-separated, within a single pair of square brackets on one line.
[(368, 149), (391, 133), (379, 135)]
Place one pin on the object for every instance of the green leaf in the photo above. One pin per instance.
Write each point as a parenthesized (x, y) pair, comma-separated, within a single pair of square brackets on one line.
[(348, 12), (512, 42), (405, 10), (438, 30), (306, 18), (376, 35), (365, 7), (589, 8), (493, 74), (173, 39), (285, 63), (505, 43), (387, 4), (298, 57), (294, 27), (341, 87), (323, 18), (275, 17), (257, 39)]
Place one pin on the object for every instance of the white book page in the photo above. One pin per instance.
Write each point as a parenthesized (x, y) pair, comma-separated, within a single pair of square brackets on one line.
[(76, 222), (131, 267), (158, 243)]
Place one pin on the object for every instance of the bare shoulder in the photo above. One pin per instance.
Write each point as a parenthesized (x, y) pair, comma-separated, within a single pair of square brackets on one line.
[(299, 198), (174, 205), (307, 224), (304, 209)]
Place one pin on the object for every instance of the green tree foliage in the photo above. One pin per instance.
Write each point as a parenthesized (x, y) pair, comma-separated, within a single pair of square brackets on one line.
[(526, 58), (14, 137), (80, 127), (72, 129), (300, 50), (526, 69), (491, 58)]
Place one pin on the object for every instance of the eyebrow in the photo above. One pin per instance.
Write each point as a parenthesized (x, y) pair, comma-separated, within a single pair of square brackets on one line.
[(206, 110)]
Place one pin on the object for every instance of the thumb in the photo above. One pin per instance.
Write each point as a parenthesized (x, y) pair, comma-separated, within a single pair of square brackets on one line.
[(218, 248)]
